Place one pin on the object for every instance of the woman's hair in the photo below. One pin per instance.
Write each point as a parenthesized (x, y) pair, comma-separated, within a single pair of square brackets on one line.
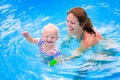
[(81, 15)]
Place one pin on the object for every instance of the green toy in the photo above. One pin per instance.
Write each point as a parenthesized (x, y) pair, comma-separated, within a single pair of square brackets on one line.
[(53, 62)]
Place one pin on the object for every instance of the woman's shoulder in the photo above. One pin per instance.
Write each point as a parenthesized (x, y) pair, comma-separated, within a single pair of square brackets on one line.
[(90, 40)]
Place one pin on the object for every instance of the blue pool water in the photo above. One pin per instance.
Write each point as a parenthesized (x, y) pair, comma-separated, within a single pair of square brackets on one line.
[(20, 60)]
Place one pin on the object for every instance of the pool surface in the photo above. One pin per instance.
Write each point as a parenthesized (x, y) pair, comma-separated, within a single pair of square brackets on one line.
[(20, 60)]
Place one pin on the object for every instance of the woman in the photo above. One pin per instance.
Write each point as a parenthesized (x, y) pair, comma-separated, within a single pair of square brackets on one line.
[(80, 26)]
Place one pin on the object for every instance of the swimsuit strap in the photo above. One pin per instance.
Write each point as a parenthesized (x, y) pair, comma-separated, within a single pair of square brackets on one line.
[(81, 37), (40, 42), (57, 53)]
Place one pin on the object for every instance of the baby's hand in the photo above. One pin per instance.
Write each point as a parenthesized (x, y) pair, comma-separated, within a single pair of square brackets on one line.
[(25, 34)]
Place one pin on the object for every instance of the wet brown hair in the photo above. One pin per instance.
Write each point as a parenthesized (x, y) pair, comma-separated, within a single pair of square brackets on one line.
[(81, 15)]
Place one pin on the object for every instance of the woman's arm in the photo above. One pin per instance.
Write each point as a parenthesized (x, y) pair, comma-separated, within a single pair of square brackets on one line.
[(29, 37), (78, 52)]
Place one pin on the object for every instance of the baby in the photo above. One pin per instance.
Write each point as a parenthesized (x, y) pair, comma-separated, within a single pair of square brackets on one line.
[(47, 42)]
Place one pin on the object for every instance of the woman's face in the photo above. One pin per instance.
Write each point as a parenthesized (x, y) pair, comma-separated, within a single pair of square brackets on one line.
[(72, 24)]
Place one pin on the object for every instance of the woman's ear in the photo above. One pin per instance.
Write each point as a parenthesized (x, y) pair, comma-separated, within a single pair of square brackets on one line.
[(82, 25)]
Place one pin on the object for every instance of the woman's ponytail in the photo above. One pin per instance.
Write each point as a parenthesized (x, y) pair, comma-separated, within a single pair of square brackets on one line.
[(89, 27)]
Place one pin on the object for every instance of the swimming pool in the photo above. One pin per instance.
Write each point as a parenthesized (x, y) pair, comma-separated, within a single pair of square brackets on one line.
[(20, 60)]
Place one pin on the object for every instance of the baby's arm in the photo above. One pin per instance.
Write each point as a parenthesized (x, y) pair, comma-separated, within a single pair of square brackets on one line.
[(29, 37)]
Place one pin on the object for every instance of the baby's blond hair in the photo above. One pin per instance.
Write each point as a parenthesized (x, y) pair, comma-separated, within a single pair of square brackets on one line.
[(51, 26)]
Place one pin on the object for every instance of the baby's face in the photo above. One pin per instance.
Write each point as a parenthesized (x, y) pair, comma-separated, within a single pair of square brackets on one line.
[(50, 36)]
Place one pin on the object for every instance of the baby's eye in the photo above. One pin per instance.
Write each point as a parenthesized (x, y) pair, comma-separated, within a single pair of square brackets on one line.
[(46, 36), (52, 37)]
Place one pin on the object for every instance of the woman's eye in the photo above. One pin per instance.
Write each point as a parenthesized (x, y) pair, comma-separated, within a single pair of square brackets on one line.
[(67, 21), (72, 23)]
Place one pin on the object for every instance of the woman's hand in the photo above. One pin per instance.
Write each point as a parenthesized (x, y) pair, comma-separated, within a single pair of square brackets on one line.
[(77, 53)]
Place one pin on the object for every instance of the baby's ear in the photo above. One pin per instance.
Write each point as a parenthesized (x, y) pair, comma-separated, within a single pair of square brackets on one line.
[(57, 38), (42, 35)]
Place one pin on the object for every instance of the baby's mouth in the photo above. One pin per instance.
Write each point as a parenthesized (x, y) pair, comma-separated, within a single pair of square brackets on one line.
[(49, 42)]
